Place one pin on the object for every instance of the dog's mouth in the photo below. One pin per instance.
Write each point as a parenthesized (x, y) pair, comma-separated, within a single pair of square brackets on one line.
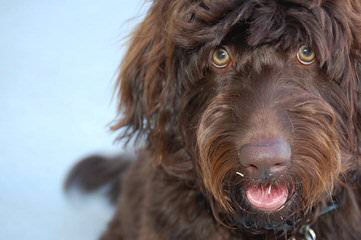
[(268, 205), (267, 198)]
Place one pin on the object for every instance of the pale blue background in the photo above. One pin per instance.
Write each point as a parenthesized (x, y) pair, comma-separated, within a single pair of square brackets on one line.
[(58, 61)]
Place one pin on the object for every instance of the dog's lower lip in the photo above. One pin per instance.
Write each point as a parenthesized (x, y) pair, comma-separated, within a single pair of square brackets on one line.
[(267, 198)]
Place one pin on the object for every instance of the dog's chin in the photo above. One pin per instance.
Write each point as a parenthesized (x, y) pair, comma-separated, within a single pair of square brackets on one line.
[(263, 208)]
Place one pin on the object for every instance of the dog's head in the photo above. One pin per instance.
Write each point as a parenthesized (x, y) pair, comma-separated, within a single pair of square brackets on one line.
[(257, 101)]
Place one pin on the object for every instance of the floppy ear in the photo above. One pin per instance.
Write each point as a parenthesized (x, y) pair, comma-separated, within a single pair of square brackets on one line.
[(356, 55), (357, 118), (355, 96), (145, 108), (352, 72), (140, 79)]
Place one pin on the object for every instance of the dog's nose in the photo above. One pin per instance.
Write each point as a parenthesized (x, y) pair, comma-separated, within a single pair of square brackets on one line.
[(265, 157)]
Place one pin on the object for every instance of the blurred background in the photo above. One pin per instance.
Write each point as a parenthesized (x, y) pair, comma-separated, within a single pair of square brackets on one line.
[(58, 64)]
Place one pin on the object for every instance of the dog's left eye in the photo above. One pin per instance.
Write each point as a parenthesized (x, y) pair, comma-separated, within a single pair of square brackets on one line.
[(221, 58), (306, 55)]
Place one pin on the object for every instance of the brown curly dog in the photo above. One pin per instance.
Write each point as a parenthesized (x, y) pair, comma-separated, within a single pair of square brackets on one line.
[(249, 114)]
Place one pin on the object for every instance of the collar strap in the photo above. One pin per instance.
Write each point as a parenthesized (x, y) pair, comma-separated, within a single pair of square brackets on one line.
[(306, 232), (330, 208)]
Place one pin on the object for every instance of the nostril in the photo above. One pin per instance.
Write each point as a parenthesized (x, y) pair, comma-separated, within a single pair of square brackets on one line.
[(278, 168), (252, 169), (253, 166), (279, 164)]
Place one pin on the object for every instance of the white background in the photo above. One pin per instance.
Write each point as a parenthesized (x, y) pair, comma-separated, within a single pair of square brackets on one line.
[(58, 63)]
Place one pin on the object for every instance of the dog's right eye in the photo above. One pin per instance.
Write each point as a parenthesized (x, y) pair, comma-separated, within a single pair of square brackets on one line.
[(221, 58)]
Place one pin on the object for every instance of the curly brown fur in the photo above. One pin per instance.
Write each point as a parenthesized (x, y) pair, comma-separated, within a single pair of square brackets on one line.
[(195, 119)]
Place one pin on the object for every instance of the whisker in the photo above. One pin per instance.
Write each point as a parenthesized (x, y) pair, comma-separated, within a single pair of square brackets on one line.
[(240, 174)]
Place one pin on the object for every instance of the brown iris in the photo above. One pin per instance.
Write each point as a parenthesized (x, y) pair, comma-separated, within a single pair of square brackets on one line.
[(306, 55), (221, 58)]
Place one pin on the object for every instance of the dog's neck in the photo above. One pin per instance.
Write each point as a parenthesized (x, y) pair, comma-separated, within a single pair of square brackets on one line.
[(342, 200), (305, 232)]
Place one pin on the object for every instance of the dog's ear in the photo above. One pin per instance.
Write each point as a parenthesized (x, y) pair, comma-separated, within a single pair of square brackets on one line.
[(143, 82), (345, 67), (355, 85), (357, 117), (140, 79)]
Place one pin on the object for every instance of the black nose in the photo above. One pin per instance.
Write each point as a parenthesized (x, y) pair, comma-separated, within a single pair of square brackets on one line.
[(265, 157)]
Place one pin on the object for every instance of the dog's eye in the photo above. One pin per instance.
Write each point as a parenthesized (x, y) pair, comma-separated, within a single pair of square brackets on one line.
[(306, 55), (221, 58)]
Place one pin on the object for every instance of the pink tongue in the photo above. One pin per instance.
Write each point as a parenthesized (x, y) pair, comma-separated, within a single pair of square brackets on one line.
[(267, 198)]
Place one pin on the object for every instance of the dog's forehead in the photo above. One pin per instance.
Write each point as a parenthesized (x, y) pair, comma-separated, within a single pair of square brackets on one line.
[(285, 25), (276, 23), (282, 23)]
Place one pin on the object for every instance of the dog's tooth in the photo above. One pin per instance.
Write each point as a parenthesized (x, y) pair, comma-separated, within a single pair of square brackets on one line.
[(240, 174), (269, 189)]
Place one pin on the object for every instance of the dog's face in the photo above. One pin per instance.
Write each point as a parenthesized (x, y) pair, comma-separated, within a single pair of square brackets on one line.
[(258, 99), (273, 136)]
